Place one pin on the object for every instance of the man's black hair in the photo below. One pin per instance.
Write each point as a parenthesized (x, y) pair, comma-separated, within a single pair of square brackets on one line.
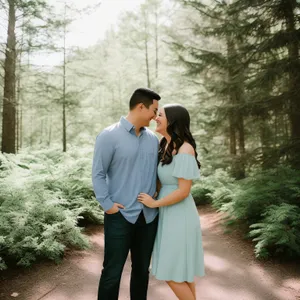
[(143, 95)]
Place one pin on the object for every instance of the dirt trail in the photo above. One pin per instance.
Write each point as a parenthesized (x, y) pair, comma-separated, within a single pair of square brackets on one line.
[(232, 272)]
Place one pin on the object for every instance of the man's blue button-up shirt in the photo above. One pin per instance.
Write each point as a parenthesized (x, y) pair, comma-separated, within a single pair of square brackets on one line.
[(125, 165)]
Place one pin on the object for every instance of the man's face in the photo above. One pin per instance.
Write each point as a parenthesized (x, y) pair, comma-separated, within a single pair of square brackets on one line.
[(149, 113)]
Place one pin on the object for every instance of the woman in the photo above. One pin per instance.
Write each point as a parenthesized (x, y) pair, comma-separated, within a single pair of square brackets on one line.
[(178, 252)]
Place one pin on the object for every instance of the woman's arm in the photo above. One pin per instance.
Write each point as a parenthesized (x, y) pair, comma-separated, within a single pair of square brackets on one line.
[(184, 188)]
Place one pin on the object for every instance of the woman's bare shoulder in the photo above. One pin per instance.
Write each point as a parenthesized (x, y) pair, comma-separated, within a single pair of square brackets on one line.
[(187, 148)]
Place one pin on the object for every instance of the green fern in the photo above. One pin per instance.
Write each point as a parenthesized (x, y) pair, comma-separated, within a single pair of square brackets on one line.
[(278, 232), (43, 197)]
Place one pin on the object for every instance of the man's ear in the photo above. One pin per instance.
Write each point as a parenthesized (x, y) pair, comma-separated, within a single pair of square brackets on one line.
[(140, 106)]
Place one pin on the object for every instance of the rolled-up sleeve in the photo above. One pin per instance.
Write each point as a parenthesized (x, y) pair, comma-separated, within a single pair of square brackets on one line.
[(103, 154)]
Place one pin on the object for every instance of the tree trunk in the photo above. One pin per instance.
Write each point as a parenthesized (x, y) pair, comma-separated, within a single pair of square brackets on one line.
[(9, 97), (146, 37), (147, 63), (21, 124), (265, 135), (156, 43), (17, 120), (50, 129), (232, 135), (19, 109), (19, 95), (64, 88), (239, 90), (236, 119), (241, 141), (294, 83), (232, 101), (42, 132)]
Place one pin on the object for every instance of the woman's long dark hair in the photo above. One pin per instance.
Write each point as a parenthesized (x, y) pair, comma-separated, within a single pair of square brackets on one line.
[(179, 130)]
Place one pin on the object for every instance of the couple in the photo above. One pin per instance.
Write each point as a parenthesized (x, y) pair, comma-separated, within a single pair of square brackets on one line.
[(131, 168)]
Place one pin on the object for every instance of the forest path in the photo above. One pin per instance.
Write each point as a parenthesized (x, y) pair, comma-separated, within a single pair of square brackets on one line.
[(232, 272)]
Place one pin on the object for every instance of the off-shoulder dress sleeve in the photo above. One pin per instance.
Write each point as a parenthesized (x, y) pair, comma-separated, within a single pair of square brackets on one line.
[(185, 166)]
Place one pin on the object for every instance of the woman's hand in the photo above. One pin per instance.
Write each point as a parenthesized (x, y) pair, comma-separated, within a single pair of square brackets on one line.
[(147, 200)]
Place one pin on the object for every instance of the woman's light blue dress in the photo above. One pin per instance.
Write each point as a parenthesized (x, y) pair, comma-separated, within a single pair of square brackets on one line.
[(178, 252)]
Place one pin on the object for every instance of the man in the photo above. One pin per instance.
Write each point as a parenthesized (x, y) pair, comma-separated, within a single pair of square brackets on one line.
[(125, 165)]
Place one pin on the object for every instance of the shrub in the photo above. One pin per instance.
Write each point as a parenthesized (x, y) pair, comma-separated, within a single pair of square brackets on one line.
[(44, 194), (264, 188), (200, 194), (278, 233), (221, 186), (266, 205)]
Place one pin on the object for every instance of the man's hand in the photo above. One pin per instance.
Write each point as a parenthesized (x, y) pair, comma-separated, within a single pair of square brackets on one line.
[(116, 207)]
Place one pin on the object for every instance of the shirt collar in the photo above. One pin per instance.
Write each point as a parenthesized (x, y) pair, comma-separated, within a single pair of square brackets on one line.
[(128, 126)]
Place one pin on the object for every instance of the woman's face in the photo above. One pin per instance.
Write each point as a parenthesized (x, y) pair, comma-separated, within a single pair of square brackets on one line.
[(161, 122)]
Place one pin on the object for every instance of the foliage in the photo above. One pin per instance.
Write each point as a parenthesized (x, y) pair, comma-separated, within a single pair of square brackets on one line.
[(216, 188), (267, 202), (278, 232), (272, 187), (200, 194), (44, 195)]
